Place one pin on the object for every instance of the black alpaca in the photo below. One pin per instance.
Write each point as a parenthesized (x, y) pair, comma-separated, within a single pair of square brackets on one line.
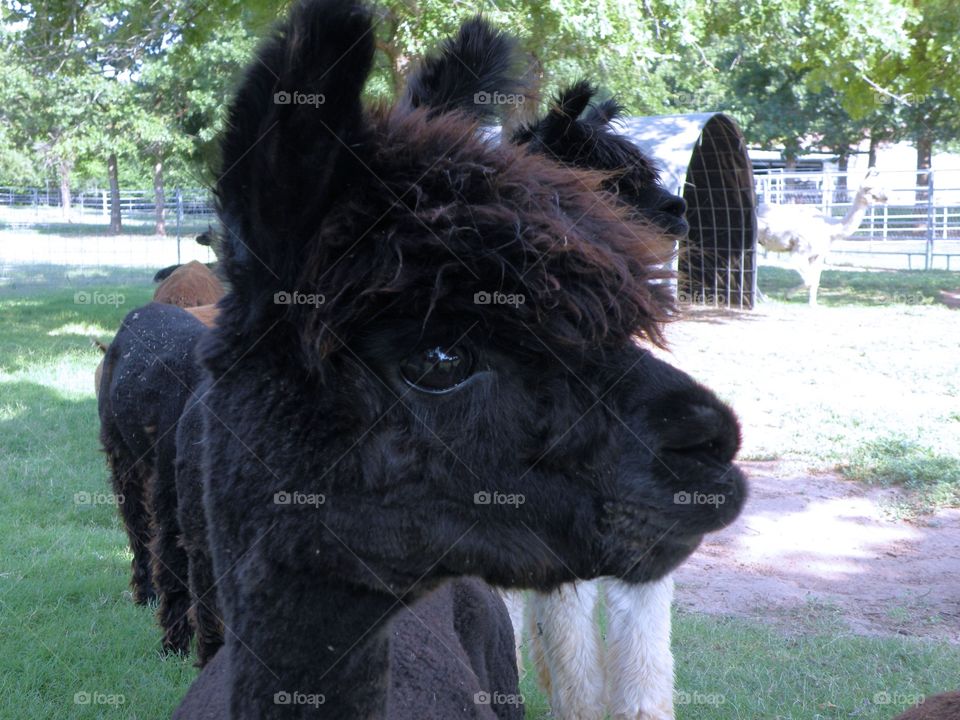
[(415, 417), (579, 134), (443, 84), (148, 374)]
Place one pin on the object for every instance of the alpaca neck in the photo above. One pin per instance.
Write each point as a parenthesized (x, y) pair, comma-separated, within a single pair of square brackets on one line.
[(323, 647), (854, 217)]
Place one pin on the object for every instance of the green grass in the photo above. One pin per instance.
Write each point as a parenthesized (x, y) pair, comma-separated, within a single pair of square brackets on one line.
[(931, 479), (861, 287), (67, 624)]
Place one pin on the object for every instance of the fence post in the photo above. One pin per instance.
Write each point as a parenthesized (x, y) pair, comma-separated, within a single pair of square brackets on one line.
[(179, 196), (928, 260)]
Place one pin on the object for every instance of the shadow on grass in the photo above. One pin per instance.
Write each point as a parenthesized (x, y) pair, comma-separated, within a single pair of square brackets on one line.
[(714, 316), (40, 326), (860, 287), (931, 480), (18, 280)]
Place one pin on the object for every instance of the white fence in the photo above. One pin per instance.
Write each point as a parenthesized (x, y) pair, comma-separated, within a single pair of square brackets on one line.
[(43, 205), (918, 227)]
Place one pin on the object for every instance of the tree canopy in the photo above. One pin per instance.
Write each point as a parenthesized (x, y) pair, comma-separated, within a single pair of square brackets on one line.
[(147, 83)]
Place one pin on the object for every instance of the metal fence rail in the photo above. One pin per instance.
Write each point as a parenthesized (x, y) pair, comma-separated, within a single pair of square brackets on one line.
[(86, 204)]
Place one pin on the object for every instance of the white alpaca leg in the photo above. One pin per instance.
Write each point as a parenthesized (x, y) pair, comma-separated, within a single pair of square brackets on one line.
[(639, 662), (514, 601), (816, 269), (569, 636)]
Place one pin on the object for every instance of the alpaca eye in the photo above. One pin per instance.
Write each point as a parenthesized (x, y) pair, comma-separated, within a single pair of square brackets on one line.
[(437, 370)]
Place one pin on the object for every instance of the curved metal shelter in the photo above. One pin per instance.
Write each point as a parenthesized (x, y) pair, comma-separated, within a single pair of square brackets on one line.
[(703, 158)]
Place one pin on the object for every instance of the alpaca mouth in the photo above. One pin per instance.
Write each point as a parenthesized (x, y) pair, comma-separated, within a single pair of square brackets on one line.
[(648, 536), (708, 494), (676, 226)]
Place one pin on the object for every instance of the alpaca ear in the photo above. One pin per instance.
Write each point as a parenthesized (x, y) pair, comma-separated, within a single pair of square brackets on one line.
[(605, 112), (285, 155), (469, 73), (553, 129)]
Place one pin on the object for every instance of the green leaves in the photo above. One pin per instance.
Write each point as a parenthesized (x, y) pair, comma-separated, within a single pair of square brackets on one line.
[(143, 79)]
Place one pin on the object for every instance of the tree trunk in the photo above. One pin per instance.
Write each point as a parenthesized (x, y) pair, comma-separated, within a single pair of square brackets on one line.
[(116, 223), (65, 168), (924, 163), (841, 195), (789, 184), (874, 146), (159, 225)]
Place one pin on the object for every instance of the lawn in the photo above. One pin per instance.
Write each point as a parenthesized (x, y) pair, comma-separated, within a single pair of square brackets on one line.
[(853, 385), (72, 644)]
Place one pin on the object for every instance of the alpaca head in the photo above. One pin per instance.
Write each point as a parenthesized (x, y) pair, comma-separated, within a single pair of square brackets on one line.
[(580, 135), (872, 190), (438, 339)]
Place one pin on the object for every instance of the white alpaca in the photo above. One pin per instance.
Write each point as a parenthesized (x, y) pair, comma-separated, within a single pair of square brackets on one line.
[(630, 677), (806, 233)]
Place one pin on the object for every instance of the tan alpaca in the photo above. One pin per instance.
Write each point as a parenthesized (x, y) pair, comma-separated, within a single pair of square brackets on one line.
[(807, 234)]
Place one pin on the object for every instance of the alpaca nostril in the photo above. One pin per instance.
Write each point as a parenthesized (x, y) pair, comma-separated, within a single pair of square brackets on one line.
[(673, 205), (705, 430)]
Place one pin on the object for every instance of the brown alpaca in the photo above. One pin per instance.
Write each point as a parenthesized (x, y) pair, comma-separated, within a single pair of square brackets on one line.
[(188, 286), (945, 706)]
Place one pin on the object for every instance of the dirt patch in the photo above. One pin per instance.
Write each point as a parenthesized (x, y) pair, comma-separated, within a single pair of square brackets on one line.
[(819, 550)]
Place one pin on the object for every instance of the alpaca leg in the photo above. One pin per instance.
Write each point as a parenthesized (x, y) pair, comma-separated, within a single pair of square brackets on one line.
[(639, 663), (170, 569), (129, 486), (204, 612), (803, 286), (537, 653), (570, 638), (170, 564), (514, 600), (814, 282)]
